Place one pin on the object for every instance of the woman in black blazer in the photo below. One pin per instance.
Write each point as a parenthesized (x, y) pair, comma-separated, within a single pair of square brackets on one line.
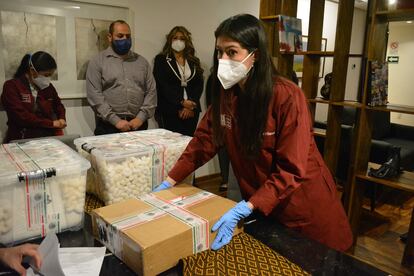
[(179, 78)]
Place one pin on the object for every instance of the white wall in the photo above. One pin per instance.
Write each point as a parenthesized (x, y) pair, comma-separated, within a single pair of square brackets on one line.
[(329, 32), (151, 21), (400, 75)]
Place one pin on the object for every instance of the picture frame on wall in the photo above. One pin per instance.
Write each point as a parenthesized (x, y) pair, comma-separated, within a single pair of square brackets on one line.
[(298, 59), (84, 26)]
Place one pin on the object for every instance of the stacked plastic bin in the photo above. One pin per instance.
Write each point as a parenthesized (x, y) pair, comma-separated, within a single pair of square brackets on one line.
[(126, 165), (42, 189)]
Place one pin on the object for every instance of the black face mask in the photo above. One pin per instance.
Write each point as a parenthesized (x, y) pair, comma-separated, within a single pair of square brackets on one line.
[(121, 46)]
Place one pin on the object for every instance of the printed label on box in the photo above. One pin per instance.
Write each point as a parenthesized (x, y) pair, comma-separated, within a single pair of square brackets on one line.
[(199, 225), (109, 236)]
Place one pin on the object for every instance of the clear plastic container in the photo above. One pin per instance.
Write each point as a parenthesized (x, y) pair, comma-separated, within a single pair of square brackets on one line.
[(42, 189), (130, 164)]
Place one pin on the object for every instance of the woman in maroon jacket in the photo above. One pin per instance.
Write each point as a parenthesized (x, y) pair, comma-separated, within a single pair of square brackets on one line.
[(32, 104), (263, 121)]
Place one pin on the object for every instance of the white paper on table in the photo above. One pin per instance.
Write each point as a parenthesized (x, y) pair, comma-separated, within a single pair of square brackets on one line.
[(68, 261), (48, 250), (79, 261)]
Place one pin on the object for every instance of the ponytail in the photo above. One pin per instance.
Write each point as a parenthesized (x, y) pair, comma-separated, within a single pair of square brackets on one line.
[(23, 67)]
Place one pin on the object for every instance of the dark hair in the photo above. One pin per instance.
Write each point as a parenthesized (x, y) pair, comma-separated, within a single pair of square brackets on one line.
[(41, 61), (189, 51), (112, 26), (253, 101)]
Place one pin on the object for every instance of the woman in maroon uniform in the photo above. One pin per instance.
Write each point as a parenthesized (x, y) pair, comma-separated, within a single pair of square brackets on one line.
[(263, 121), (32, 104)]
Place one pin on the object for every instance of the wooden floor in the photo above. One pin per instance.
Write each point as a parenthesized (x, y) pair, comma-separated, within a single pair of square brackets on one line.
[(379, 240)]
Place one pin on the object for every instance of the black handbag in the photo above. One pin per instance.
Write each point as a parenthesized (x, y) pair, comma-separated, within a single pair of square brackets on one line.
[(391, 168)]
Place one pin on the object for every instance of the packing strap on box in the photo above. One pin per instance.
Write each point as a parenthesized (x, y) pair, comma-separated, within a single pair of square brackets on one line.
[(154, 142), (110, 236), (36, 191), (158, 157)]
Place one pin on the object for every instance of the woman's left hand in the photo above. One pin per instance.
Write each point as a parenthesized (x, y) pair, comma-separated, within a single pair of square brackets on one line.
[(189, 104), (228, 222), (185, 114)]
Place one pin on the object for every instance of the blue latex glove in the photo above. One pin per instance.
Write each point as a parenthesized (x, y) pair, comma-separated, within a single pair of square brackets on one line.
[(228, 222), (164, 185)]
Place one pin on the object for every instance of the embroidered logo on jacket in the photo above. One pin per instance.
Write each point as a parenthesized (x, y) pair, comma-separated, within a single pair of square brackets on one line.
[(225, 121), (26, 98)]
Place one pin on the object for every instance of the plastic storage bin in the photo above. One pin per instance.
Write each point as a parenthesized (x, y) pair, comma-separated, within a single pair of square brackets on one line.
[(42, 189), (129, 164)]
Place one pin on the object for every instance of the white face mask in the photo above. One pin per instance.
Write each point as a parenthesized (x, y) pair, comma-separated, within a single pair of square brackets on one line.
[(42, 82), (178, 45), (231, 72)]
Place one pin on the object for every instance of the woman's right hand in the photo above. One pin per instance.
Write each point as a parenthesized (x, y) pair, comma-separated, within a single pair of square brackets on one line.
[(58, 124), (63, 122), (13, 256)]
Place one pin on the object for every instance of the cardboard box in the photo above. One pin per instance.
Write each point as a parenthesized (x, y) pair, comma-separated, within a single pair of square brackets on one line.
[(150, 240)]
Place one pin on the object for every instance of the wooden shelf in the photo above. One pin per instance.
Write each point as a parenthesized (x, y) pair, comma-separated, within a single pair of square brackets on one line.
[(394, 108), (397, 15), (318, 100), (317, 54), (348, 103), (342, 103), (356, 55), (270, 18), (376, 46), (405, 181), (320, 132)]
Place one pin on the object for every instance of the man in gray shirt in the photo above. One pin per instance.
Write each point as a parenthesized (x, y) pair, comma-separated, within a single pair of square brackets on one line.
[(120, 86)]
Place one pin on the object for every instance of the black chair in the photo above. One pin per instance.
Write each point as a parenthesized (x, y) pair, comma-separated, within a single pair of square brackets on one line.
[(385, 136)]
